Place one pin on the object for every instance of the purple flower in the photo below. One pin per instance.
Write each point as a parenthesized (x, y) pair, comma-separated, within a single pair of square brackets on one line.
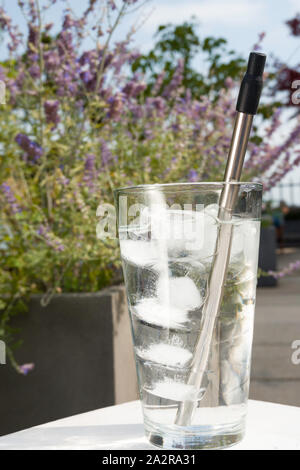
[(48, 26), (49, 238), (51, 111), (14, 89), (33, 37), (64, 180), (86, 76), (176, 80), (65, 44), (90, 162), (92, 4), (257, 46), (89, 171), (137, 111), (275, 123), (289, 269), (34, 71), (120, 56), (158, 83), (89, 78), (157, 104), (51, 59), (70, 22), (10, 198), (41, 230), (13, 31), (134, 55), (115, 106), (193, 176), (5, 20), (139, 88), (129, 88), (108, 60), (2, 73), (88, 57), (25, 368), (134, 88), (32, 149), (106, 154), (67, 80)]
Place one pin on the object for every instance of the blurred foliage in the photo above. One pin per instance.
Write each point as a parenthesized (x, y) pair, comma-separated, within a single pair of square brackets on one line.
[(175, 42), (79, 123)]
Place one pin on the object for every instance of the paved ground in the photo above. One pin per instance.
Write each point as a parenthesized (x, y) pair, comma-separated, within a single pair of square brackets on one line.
[(277, 325)]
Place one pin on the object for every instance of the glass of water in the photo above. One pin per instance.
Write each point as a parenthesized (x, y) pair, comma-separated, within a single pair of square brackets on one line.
[(168, 235)]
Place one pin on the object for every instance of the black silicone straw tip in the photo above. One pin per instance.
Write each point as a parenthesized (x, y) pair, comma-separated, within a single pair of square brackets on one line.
[(256, 64), (251, 85)]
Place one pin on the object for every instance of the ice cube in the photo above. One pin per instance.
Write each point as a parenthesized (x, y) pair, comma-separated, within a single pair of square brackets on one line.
[(182, 293), (179, 229), (140, 253), (193, 269), (252, 231), (177, 391), (166, 354), (180, 233), (238, 242), (155, 313), (244, 240)]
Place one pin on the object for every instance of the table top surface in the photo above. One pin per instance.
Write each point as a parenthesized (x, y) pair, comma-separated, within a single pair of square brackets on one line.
[(120, 427)]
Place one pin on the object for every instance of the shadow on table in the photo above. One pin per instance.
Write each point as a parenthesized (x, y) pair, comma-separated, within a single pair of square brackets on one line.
[(116, 436)]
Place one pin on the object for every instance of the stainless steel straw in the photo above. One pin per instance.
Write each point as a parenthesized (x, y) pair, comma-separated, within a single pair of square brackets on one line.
[(246, 108)]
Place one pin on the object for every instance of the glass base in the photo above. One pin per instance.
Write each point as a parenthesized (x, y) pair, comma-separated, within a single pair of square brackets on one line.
[(194, 437)]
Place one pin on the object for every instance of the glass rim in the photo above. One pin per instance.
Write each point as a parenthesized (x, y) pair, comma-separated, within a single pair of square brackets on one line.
[(185, 185)]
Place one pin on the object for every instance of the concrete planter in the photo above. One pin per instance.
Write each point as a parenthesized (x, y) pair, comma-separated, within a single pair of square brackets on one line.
[(267, 256), (82, 349)]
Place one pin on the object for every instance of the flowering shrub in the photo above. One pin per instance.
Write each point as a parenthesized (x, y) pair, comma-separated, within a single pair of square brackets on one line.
[(76, 125)]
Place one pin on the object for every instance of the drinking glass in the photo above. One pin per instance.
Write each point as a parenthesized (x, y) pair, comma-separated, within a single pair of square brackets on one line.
[(168, 235)]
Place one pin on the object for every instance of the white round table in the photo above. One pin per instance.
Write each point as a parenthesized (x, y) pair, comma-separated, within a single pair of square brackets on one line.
[(269, 426)]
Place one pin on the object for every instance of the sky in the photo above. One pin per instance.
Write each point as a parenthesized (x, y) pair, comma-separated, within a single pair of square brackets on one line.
[(238, 21)]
